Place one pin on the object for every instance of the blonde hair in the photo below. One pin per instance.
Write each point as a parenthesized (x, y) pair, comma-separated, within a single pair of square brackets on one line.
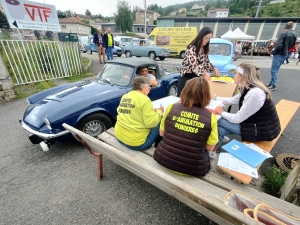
[(251, 75)]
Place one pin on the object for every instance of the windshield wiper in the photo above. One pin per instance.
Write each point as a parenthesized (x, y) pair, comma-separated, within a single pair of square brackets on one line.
[(106, 80)]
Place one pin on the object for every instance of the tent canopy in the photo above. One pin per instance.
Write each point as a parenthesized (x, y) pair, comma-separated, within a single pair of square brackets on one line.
[(237, 34)]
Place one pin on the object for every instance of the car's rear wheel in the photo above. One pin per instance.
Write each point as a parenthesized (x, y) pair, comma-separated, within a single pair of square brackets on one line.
[(89, 52), (152, 55), (119, 55), (182, 55), (173, 90), (95, 124), (128, 54), (162, 58)]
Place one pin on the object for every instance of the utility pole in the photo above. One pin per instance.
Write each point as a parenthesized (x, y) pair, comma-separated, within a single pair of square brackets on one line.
[(145, 18), (258, 8)]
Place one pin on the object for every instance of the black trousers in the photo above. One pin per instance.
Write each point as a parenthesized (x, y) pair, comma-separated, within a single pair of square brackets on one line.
[(183, 80)]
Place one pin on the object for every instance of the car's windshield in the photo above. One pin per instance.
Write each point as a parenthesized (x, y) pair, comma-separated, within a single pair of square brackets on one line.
[(116, 74), (219, 49), (126, 39)]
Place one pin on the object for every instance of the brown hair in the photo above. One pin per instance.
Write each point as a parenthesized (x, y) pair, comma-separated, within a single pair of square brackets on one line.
[(196, 92), (197, 42), (140, 81)]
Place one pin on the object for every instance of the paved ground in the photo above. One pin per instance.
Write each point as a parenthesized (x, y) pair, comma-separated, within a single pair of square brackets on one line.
[(61, 186)]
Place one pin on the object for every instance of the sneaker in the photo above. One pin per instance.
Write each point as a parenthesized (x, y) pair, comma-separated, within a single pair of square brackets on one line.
[(212, 155), (272, 87), (268, 85), (226, 139)]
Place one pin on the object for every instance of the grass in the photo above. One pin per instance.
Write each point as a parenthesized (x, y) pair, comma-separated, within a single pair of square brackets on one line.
[(29, 89), (274, 179), (85, 61), (78, 77)]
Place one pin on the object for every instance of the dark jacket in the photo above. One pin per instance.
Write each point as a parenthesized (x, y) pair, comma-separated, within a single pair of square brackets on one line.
[(183, 146), (105, 40), (96, 38), (285, 41), (264, 125)]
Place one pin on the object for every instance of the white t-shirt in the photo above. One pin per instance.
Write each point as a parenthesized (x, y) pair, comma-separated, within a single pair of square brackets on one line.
[(253, 101)]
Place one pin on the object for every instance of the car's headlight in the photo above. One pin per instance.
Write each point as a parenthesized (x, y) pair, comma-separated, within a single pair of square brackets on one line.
[(232, 71), (47, 124)]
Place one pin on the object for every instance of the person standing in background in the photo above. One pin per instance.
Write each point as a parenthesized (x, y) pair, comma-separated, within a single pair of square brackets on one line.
[(109, 44), (285, 41), (196, 62), (237, 50), (98, 41)]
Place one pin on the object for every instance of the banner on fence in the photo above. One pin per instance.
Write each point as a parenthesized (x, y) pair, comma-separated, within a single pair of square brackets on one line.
[(31, 15)]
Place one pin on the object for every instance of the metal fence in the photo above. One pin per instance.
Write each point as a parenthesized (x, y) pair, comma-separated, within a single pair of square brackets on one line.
[(30, 61)]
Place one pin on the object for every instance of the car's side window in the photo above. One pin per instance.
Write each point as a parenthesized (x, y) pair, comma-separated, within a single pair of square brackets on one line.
[(136, 43)]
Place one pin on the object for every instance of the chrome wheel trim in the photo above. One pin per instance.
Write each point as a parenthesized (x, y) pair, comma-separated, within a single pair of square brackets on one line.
[(94, 128)]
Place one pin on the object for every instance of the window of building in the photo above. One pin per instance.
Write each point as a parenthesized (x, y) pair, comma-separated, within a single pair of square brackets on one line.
[(63, 26), (138, 29), (79, 28), (142, 29)]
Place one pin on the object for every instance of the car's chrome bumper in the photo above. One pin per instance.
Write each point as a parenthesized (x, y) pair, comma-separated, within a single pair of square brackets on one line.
[(164, 54), (42, 135)]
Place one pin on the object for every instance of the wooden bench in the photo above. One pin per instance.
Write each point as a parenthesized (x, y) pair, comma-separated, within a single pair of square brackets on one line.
[(286, 110), (205, 194)]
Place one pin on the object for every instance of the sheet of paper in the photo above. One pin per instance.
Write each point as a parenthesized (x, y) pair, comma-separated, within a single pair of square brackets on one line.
[(230, 162), (214, 103), (165, 101), (258, 149)]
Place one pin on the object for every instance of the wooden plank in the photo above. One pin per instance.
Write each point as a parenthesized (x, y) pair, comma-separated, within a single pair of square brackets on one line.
[(163, 179), (218, 181), (286, 110), (290, 191)]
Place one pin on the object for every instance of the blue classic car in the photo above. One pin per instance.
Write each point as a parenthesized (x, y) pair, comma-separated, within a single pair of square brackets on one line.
[(90, 47), (145, 47), (221, 54), (89, 105)]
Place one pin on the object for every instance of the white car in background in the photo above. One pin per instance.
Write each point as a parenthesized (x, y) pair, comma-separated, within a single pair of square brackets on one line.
[(83, 40)]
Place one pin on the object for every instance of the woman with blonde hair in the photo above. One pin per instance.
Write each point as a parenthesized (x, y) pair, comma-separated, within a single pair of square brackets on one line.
[(256, 119), (189, 131)]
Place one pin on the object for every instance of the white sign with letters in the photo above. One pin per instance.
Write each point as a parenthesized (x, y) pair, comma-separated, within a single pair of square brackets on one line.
[(31, 15)]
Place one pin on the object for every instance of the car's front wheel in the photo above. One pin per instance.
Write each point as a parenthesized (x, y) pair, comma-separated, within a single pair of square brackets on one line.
[(162, 58), (128, 54), (182, 55), (95, 124), (152, 55), (119, 55), (173, 90)]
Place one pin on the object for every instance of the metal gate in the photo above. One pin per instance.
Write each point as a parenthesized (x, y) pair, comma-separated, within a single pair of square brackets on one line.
[(32, 61)]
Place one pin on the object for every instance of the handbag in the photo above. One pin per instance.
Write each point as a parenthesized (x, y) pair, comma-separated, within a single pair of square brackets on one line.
[(257, 210)]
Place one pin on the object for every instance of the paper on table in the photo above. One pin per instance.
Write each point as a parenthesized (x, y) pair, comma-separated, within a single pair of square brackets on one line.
[(214, 103), (231, 162), (258, 149), (165, 102)]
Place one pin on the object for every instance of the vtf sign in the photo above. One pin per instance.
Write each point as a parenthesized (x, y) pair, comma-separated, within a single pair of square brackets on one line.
[(31, 15)]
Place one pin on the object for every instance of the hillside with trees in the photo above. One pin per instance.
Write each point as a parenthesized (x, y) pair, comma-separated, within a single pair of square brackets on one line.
[(237, 8)]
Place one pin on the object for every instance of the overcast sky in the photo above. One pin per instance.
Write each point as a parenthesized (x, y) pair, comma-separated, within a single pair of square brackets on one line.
[(104, 7)]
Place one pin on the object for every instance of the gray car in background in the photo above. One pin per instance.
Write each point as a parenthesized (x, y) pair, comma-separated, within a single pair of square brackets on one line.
[(145, 48)]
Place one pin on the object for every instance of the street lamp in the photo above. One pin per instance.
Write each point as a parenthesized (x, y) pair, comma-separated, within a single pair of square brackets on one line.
[(145, 19)]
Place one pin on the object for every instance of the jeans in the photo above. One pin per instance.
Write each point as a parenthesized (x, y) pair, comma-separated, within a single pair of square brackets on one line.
[(287, 57), (276, 63), (109, 53), (151, 138), (225, 127)]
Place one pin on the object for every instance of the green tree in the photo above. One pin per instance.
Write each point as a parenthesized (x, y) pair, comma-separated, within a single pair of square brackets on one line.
[(123, 17), (218, 4), (85, 21), (88, 13), (61, 14), (3, 21), (93, 30), (98, 16)]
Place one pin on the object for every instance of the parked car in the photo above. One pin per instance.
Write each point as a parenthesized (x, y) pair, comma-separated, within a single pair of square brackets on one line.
[(91, 47), (83, 40), (220, 54), (90, 105), (145, 47)]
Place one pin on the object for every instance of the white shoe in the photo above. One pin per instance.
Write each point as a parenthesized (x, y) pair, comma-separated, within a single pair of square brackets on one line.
[(212, 155), (226, 139)]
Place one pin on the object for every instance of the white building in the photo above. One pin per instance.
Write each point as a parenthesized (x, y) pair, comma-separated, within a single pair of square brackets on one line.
[(218, 13)]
